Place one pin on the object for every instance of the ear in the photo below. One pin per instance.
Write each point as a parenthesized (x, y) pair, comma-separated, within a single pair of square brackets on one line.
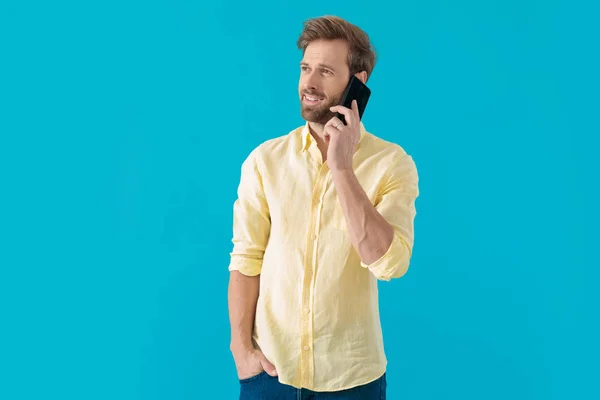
[(362, 76)]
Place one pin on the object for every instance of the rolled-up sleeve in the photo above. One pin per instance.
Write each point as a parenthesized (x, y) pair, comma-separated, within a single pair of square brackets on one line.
[(251, 220), (396, 203)]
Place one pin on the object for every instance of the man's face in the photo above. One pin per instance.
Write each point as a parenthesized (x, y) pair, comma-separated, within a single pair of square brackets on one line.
[(324, 74)]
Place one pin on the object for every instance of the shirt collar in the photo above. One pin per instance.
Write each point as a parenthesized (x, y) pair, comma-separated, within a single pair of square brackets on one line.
[(307, 138)]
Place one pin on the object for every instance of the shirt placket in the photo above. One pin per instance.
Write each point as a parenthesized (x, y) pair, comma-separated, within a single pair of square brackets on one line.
[(307, 340)]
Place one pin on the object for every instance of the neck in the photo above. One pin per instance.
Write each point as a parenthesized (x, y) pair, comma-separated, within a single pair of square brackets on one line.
[(317, 131)]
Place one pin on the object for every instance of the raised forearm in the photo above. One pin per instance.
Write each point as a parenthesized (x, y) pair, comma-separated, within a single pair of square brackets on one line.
[(370, 234), (242, 298)]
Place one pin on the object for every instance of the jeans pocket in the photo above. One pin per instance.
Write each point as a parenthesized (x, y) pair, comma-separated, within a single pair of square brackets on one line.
[(251, 378)]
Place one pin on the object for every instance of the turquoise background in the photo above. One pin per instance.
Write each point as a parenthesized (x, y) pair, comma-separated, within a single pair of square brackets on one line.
[(123, 126)]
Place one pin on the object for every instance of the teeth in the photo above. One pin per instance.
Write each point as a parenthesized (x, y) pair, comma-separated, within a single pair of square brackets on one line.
[(311, 98)]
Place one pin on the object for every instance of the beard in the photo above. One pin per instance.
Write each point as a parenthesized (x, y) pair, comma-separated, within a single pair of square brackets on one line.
[(319, 114)]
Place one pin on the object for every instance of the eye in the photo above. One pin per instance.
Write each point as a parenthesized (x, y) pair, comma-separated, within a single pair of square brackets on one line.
[(326, 71), (304, 68)]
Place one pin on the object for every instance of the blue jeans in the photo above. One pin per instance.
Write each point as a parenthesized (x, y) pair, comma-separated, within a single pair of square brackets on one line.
[(266, 387)]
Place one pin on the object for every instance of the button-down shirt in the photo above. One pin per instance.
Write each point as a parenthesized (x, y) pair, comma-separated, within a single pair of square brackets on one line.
[(317, 317)]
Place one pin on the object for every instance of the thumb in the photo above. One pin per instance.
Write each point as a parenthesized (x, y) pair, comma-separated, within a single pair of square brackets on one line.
[(267, 366)]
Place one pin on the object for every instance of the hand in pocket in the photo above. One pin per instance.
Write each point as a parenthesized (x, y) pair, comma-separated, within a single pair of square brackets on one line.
[(252, 362)]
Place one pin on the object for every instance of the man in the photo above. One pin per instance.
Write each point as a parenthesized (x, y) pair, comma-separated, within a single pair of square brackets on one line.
[(323, 213)]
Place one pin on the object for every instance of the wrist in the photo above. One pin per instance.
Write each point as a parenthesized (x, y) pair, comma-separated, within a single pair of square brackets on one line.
[(241, 346), (342, 172), (343, 177)]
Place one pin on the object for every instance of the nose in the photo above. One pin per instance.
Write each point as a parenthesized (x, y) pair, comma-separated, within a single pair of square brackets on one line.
[(311, 81)]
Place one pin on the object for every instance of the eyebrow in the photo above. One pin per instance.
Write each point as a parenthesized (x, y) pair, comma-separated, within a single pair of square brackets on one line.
[(320, 65)]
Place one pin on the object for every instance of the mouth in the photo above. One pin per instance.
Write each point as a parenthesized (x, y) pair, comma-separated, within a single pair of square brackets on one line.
[(311, 100)]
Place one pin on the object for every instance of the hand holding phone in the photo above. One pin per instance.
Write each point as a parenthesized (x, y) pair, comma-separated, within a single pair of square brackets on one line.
[(355, 90)]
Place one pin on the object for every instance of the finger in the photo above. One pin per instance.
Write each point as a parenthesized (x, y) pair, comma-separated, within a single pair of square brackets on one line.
[(267, 366), (333, 122), (346, 112), (330, 128), (355, 110)]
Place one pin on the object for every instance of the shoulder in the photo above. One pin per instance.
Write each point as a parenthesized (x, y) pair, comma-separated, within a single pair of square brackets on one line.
[(381, 148), (396, 158), (276, 147), (279, 145)]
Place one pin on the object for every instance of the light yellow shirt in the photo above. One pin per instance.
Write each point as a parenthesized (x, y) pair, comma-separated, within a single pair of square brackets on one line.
[(317, 317)]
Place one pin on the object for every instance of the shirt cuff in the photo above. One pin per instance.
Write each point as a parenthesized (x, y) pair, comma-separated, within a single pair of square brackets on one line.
[(246, 266), (383, 268)]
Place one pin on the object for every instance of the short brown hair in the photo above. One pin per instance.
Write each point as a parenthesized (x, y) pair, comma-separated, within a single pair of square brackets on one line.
[(361, 54)]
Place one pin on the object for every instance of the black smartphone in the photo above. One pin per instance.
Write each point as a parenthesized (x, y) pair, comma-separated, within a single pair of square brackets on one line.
[(356, 90)]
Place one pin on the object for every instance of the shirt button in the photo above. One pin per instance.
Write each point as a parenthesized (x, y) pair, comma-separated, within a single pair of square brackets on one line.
[(306, 310), (306, 347), (314, 236)]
